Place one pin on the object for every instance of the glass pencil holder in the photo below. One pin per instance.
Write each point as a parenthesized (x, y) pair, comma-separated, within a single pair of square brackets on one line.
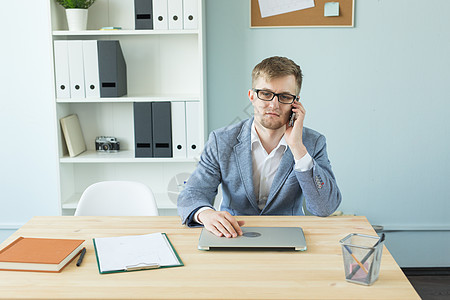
[(362, 257)]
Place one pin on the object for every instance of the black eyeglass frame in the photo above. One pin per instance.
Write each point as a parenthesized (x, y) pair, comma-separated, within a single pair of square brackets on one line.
[(273, 96)]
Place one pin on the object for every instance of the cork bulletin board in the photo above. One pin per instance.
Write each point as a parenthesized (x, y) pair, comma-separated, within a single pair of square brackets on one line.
[(309, 17)]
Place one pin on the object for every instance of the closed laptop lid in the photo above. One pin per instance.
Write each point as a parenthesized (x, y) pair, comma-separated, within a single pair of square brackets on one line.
[(257, 238)]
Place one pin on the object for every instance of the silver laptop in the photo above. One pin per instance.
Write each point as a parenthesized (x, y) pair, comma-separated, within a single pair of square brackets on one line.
[(270, 238)]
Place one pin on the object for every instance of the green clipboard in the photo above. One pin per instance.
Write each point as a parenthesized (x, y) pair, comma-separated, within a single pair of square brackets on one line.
[(124, 249)]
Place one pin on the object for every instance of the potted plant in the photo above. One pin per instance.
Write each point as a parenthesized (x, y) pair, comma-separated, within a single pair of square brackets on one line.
[(76, 12)]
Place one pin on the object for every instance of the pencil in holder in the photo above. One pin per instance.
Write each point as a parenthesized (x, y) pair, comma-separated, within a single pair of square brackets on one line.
[(362, 257)]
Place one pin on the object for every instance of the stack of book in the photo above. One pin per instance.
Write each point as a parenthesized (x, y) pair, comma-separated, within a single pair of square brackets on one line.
[(39, 254)]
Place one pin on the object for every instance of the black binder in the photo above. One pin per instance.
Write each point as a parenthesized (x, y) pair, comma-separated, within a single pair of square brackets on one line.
[(162, 129), (112, 69), (143, 14), (143, 129)]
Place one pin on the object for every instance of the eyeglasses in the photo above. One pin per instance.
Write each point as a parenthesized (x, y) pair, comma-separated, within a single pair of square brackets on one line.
[(268, 96)]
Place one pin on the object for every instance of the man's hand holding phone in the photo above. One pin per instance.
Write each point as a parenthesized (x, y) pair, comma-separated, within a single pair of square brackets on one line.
[(294, 133), (298, 113), (221, 223)]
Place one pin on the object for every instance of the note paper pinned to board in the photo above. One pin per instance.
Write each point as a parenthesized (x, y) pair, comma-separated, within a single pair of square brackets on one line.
[(277, 7)]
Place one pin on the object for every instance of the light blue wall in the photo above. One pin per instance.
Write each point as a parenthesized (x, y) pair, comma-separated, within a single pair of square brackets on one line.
[(28, 158), (379, 92), (5, 233)]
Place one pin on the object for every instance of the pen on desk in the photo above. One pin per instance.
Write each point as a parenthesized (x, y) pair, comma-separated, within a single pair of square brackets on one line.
[(365, 258), (80, 259)]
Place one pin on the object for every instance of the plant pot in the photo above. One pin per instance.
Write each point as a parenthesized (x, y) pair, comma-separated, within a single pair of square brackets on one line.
[(76, 18)]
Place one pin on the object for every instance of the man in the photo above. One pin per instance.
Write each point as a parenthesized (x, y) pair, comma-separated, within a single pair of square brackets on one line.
[(265, 166)]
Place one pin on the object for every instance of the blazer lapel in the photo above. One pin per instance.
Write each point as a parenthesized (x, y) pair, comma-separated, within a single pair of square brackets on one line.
[(243, 154), (284, 169)]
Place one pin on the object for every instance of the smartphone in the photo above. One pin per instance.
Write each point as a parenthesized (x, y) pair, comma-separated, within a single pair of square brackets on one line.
[(292, 119)]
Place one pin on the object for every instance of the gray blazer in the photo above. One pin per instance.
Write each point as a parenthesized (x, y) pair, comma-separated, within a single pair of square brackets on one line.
[(227, 160)]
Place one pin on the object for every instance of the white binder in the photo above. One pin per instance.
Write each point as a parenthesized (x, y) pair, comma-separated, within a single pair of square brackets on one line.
[(179, 130), (76, 72), (193, 129), (160, 17), (90, 62), (62, 69), (190, 14), (175, 12)]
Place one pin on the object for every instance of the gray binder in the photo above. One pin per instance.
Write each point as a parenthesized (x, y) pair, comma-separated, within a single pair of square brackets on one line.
[(143, 14), (143, 129), (162, 129), (112, 69)]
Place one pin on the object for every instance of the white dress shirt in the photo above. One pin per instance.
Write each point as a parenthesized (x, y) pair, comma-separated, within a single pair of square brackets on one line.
[(265, 166)]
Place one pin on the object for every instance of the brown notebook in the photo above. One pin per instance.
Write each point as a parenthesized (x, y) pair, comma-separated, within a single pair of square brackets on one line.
[(39, 254)]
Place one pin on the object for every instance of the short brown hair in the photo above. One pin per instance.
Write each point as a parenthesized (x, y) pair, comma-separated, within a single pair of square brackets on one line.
[(275, 67)]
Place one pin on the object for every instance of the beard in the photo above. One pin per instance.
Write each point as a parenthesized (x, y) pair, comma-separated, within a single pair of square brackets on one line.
[(272, 122)]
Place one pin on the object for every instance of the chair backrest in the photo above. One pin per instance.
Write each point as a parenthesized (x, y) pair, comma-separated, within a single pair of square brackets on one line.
[(117, 198)]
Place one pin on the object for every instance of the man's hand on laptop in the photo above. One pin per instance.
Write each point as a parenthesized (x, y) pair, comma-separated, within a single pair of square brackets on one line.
[(221, 223)]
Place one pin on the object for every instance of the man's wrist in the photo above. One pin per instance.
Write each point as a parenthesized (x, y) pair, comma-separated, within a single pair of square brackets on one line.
[(201, 209), (299, 152)]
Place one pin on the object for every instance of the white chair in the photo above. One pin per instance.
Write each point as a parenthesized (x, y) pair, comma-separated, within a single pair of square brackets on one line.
[(117, 198)]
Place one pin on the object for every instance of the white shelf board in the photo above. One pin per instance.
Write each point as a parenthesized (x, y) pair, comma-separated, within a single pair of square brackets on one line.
[(71, 202), (130, 99), (162, 201), (122, 32), (123, 156)]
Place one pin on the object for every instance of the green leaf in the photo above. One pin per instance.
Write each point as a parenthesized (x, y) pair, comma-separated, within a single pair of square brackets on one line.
[(76, 3)]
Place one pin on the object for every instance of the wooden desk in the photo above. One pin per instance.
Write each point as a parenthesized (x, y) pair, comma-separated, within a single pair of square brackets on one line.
[(316, 273)]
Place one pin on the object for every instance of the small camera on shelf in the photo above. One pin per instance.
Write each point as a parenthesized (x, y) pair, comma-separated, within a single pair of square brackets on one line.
[(107, 144)]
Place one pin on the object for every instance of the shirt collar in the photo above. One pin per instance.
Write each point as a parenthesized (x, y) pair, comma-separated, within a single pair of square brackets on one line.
[(254, 138)]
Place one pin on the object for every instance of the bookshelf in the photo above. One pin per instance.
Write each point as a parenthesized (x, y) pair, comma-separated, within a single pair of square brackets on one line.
[(123, 32), (162, 65)]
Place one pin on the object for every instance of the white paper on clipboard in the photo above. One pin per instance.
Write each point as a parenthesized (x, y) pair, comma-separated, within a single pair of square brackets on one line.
[(121, 253), (270, 8)]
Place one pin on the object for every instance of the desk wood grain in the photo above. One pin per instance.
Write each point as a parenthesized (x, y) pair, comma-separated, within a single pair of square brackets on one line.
[(315, 274)]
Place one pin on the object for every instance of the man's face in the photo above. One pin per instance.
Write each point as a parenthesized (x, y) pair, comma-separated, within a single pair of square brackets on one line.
[(272, 114)]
